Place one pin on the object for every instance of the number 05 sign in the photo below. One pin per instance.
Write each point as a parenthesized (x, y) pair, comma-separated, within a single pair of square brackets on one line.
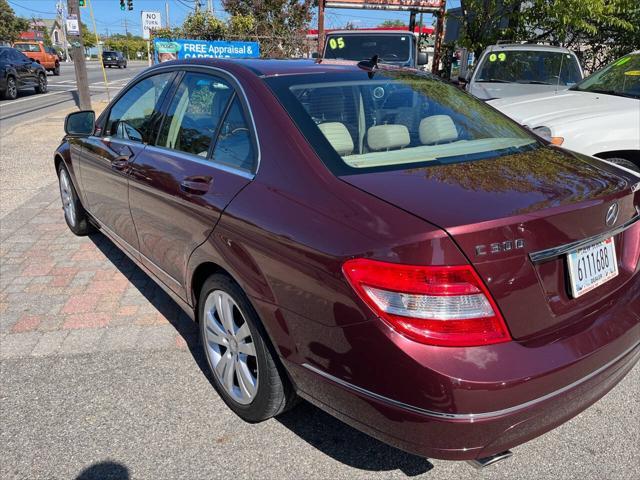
[(150, 21)]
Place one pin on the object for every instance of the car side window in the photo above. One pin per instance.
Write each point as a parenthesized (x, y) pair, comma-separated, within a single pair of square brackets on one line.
[(18, 56), (195, 113), (131, 117), (234, 146)]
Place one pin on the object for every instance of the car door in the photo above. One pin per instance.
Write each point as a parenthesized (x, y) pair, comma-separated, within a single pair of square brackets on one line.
[(122, 133), (24, 68), (180, 186)]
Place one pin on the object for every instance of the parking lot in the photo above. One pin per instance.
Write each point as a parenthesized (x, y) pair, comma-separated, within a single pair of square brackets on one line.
[(102, 375)]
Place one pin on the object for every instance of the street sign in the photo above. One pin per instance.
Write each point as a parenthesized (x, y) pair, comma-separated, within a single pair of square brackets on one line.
[(150, 21), (73, 27)]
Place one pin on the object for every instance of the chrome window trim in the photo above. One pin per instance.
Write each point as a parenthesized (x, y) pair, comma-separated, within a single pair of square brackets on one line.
[(554, 252), (202, 161), (238, 85), (471, 417)]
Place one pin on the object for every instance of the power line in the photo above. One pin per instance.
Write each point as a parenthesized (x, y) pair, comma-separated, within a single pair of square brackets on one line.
[(31, 9)]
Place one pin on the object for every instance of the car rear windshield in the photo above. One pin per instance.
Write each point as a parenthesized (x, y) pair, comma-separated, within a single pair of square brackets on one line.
[(621, 78), (529, 67), (389, 48), (108, 54), (394, 120), (27, 47)]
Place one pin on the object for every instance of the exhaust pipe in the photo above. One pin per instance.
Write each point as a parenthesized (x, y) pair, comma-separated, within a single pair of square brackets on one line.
[(480, 463)]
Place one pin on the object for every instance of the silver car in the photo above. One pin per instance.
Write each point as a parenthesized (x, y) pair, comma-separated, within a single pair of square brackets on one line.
[(510, 70)]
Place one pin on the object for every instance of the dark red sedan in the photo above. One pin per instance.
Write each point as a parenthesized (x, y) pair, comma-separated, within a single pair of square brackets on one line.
[(372, 240)]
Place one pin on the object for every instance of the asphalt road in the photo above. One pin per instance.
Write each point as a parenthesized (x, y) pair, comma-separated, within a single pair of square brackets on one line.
[(62, 92)]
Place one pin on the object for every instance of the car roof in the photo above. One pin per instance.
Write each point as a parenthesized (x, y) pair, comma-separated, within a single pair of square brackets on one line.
[(271, 67), (526, 46)]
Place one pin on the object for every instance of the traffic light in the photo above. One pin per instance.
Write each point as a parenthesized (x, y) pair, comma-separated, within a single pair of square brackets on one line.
[(130, 4), (82, 3), (122, 5)]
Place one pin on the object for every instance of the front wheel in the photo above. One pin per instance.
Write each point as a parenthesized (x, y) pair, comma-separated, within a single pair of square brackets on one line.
[(41, 87), (11, 92), (244, 368), (56, 70), (74, 213)]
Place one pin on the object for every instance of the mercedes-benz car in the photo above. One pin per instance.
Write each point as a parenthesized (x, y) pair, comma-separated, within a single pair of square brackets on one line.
[(370, 239)]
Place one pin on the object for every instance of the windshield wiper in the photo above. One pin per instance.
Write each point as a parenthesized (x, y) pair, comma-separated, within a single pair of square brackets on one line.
[(534, 82), (494, 80), (609, 92)]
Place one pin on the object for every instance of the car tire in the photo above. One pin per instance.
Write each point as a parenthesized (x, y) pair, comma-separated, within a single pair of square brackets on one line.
[(74, 213), (623, 162), (41, 87), (11, 92), (56, 70), (243, 365)]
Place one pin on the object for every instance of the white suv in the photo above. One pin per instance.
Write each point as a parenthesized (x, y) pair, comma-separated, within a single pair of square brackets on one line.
[(600, 116)]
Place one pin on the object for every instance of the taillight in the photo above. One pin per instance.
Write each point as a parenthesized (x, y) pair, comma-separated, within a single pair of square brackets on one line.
[(447, 305)]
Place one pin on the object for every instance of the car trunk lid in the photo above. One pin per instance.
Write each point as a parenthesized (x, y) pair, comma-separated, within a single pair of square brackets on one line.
[(515, 206)]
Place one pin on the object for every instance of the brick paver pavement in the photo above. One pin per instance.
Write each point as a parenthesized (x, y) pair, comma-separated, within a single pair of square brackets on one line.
[(62, 294)]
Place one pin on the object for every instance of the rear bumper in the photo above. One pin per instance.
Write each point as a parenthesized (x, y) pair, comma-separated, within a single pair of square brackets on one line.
[(465, 436), (463, 403), (111, 63)]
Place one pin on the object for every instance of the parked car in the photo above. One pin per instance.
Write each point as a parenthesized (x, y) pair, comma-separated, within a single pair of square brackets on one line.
[(600, 116), (18, 72), (508, 70), (114, 59), (39, 53), (429, 272), (394, 47)]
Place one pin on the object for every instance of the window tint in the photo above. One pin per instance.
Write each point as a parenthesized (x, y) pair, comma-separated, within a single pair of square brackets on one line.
[(195, 113), (234, 146), (132, 117)]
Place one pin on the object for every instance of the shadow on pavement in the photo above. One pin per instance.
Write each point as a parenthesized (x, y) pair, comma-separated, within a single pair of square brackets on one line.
[(319, 429), (105, 471)]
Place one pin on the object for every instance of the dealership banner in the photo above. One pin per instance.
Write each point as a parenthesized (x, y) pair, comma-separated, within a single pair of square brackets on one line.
[(166, 50), (417, 5)]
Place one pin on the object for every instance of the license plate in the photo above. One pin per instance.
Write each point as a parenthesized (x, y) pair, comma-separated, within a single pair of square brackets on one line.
[(591, 266)]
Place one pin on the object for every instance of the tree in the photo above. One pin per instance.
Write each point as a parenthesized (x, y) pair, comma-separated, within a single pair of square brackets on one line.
[(88, 36), (10, 25), (279, 25), (392, 23)]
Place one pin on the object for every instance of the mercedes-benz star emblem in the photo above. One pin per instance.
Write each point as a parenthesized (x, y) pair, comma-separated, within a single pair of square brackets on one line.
[(612, 215)]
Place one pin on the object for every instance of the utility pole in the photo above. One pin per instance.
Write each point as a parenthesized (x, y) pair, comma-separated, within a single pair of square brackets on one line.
[(78, 60), (126, 32), (210, 6), (197, 5), (320, 28), (166, 14)]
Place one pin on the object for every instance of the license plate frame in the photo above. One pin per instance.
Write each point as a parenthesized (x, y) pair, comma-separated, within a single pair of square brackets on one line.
[(592, 266)]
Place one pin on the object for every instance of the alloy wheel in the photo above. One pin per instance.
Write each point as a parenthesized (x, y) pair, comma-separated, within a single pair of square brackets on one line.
[(12, 89), (230, 347), (42, 83), (68, 205)]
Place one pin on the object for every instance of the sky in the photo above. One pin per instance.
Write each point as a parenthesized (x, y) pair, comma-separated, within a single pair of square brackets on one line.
[(109, 18)]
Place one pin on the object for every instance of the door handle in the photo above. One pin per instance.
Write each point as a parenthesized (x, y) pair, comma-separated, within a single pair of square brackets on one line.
[(121, 162), (196, 185)]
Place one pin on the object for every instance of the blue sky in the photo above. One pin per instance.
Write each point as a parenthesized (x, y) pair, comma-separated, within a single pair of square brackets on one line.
[(108, 15)]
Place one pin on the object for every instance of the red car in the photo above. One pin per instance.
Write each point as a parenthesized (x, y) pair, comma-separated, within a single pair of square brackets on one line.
[(372, 240)]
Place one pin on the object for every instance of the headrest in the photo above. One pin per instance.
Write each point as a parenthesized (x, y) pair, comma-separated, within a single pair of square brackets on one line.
[(385, 137), (437, 129), (338, 136)]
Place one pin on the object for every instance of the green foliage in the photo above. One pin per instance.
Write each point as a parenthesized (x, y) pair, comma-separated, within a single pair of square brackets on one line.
[(10, 25), (128, 44), (204, 25), (88, 36), (279, 25), (393, 23)]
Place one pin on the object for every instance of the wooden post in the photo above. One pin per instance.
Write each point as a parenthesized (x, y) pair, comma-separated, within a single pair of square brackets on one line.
[(77, 49), (320, 28), (439, 37)]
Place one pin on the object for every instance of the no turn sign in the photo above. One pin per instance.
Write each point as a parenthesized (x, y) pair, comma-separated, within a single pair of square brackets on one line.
[(150, 21)]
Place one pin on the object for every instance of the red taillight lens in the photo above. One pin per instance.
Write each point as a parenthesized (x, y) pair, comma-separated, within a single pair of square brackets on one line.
[(447, 306)]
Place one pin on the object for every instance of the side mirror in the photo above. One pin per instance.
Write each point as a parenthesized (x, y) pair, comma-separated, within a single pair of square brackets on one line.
[(314, 55), (80, 124), (462, 80), (423, 58)]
